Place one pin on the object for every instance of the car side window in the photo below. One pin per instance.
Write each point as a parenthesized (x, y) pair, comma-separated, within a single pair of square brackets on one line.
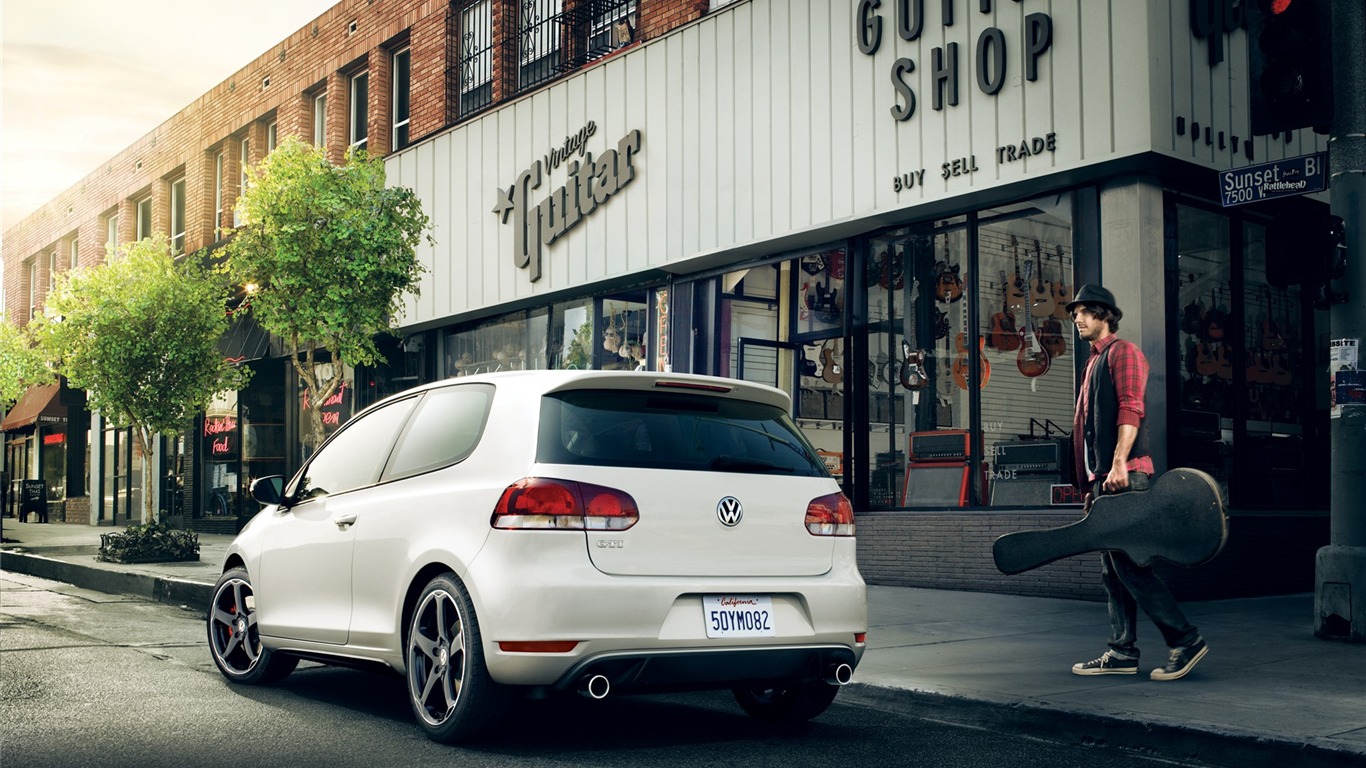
[(354, 456), (444, 430)]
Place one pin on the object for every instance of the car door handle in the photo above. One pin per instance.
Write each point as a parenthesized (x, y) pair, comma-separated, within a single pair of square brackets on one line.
[(345, 521)]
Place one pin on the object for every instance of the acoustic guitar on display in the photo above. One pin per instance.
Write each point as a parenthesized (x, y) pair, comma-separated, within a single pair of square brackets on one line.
[(1032, 359), (1016, 288), (1041, 302), (1062, 292), (1004, 335), (961, 366), (1050, 330)]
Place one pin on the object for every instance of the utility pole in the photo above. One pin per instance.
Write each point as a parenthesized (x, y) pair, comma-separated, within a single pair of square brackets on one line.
[(1340, 568)]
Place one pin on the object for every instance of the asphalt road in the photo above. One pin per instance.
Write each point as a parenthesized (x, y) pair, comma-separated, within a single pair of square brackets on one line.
[(90, 679)]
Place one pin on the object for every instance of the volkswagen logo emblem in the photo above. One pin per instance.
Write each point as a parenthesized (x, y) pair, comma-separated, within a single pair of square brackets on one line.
[(729, 511)]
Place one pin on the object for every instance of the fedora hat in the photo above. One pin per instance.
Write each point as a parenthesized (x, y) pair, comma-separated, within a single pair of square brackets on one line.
[(1094, 294)]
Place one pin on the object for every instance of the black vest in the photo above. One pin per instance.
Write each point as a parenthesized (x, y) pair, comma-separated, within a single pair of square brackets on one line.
[(1103, 409)]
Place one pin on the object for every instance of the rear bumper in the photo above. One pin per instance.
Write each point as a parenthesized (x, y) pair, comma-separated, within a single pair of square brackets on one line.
[(686, 669)]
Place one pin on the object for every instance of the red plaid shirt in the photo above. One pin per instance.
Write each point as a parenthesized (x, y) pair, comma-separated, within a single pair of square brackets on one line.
[(1129, 370)]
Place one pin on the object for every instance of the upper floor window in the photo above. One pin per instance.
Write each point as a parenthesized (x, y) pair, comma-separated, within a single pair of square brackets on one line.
[(144, 228), (476, 56), (243, 176), (401, 74), (320, 120), (538, 35), (614, 24), (111, 232), (178, 216), (52, 269), (217, 191), (74, 253), (272, 136), (32, 287), (360, 96)]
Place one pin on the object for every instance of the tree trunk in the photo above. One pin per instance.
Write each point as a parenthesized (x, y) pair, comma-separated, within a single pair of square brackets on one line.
[(145, 445)]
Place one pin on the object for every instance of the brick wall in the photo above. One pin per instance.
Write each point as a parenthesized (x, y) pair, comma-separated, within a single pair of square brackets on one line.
[(1263, 556)]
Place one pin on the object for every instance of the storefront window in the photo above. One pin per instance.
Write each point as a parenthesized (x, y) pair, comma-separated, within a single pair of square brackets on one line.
[(625, 338), (510, 343), (221, 441), (53, 442), (121, 495), (264, 439), (1023, 286)]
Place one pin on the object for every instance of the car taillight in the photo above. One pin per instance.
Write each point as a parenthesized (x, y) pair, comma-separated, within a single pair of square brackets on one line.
[(538, 503), (831, 515)]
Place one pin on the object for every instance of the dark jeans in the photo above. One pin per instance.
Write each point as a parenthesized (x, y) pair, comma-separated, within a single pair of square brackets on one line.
[(1129, 586)]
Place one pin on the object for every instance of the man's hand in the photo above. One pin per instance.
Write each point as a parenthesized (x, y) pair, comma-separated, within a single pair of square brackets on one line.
[(1118, 479)]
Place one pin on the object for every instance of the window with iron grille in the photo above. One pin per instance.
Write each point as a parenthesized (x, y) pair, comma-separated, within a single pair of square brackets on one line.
[(476, 56), (539, 27), (612, 26)]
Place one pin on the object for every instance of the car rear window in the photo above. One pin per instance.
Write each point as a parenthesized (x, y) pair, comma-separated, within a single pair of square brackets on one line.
[(651, 430)]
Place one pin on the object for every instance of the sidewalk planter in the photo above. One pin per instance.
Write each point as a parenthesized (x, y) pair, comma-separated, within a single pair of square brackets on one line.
[(154, 543)]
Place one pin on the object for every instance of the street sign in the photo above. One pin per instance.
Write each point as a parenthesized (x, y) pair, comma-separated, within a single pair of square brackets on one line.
[(1283, 178)]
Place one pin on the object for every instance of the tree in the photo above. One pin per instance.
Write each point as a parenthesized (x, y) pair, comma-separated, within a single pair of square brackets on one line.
[(331, 251), (22, 364), (140, 336)]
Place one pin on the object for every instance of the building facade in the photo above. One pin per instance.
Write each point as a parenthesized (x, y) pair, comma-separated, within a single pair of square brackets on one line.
[(880, 207)]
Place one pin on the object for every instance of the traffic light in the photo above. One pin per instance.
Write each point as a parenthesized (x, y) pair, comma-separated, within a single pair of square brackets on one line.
[(1308, 249), (1290, 58)]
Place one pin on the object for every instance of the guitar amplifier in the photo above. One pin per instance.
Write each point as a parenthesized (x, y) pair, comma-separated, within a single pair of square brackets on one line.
[(940, 445), (1051, 456)]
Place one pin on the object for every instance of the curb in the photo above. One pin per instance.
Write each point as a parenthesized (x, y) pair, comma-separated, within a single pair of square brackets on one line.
[(179, 592), (1146, 738)]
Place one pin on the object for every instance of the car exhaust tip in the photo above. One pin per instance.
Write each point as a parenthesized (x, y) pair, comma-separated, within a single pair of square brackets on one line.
[(596, 687), (840, 674)]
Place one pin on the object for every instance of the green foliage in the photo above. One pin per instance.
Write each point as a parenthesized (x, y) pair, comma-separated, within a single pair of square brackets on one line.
[(22, 364), (140, 336), (151, 543), (331, 250)]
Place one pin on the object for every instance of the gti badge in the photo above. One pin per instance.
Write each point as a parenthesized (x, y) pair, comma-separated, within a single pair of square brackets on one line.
[(729, 511)]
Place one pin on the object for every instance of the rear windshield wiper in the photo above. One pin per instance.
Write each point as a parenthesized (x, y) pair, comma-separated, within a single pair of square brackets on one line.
[(733, 464)]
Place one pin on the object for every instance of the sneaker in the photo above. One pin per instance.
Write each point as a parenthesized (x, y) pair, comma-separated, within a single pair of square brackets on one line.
[(1181, 660), (1109, 663)]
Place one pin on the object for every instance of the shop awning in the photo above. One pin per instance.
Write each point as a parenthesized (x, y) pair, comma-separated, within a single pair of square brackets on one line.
[(36, 401), (244, 341)]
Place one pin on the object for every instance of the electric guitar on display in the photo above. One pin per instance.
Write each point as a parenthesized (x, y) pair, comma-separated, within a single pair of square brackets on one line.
[(1041, 303), (1032, 359)]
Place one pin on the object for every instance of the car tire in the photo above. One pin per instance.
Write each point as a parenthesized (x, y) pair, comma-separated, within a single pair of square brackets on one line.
[(449, 687), (235, 640), (795, 703)]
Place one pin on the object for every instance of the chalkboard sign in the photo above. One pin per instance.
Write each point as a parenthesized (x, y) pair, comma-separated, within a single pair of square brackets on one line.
[(33, 499)]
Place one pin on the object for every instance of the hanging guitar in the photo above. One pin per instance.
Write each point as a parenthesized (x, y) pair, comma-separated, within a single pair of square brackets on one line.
[(913, 375), (1062, 292), (1050, 330), (961, 368), (948, 285), (1040, 291), (831, 371), (1004, 336), (1016, 297), (1032, 360)]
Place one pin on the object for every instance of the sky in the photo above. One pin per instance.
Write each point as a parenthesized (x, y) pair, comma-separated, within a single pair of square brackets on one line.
[(84, 79)]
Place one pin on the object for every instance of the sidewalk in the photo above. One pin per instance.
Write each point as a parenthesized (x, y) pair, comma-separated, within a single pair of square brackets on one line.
[(1269, 692)]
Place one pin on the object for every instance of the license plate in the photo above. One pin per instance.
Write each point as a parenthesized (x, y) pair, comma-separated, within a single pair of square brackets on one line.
[(738, 615)]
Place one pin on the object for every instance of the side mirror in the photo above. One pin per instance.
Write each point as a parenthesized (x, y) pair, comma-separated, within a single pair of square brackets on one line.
[(269, 491)]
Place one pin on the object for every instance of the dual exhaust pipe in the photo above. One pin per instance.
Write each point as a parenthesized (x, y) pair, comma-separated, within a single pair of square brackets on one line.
[(598, 686)]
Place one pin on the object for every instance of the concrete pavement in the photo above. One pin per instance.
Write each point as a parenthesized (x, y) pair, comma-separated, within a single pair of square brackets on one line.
[(1269, 692)]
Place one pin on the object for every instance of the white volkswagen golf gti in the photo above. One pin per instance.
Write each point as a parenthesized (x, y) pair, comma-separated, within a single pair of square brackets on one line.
[(543, 531)]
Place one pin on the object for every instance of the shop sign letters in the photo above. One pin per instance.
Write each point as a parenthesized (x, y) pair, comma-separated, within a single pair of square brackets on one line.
[(989, 61), (591, 183)]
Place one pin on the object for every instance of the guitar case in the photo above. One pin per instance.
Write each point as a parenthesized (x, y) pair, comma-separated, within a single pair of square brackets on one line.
[(1181, 518)]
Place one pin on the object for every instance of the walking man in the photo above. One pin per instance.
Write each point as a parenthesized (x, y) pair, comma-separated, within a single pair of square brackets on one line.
[(1110, 450)]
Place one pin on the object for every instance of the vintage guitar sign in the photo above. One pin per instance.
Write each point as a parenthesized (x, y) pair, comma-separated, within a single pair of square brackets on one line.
[(592, 182)]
